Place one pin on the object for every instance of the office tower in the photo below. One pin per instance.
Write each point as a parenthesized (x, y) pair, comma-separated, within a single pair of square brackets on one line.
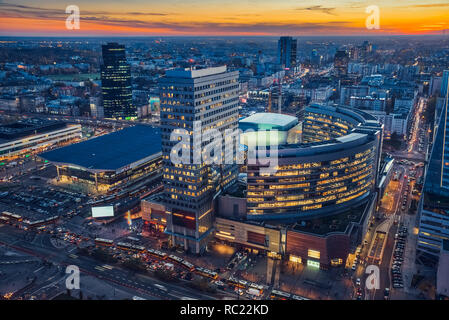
[(96, 108), (341, 61), (434, 203), (445, 83), (192, 99), (116, 83), (354, 53), (315, 58), (367, 47), (287, 47)]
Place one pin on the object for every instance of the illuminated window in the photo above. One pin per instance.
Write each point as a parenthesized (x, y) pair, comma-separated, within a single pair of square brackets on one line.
[(313, 254), (295, 259), (313, 264), (336, 262)]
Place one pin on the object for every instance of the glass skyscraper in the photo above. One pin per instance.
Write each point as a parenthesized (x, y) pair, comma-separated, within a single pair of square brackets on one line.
[(116, 83), (287, 47)]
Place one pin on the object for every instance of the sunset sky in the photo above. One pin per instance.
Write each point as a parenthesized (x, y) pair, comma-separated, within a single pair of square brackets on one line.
[(222, 17)]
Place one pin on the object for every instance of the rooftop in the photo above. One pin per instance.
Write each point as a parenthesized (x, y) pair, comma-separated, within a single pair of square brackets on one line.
[(268, 121), (334, 223), (194, 73), (110, 152), (27, 127)]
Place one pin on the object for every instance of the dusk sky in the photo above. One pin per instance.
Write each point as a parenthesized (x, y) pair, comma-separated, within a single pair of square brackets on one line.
[(221, 17)]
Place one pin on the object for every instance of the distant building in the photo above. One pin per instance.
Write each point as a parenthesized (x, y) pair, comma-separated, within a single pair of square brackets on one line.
[(341, 61), (367, 103), (352, 91), (445, 83), (393, 123), (34, 135), (96, 108), (287, 48), (9, 103), (116, 83)]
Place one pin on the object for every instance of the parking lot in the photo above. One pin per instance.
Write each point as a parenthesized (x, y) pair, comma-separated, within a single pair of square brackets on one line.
[(398, 257), (36, 203)]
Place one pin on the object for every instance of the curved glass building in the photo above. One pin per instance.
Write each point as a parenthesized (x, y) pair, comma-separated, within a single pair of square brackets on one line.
[(335, 167)]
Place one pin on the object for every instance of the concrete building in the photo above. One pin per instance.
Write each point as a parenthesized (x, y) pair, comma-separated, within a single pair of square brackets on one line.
[(196, 100), (34, 135), (96, 107), (153, 212), (393, 123), (111, 162), (367, 103)]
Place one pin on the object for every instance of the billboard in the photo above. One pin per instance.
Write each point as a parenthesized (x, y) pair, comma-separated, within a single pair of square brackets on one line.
[(100, 212)]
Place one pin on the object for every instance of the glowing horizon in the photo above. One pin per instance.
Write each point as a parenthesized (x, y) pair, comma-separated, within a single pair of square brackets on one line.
[(225, 17)]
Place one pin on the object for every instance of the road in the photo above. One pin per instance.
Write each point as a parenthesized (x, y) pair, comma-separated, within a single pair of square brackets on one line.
[(397, 193), (120, 277)]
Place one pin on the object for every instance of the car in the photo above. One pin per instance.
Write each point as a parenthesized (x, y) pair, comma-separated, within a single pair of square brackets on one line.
[(358, 282), (354, 267)]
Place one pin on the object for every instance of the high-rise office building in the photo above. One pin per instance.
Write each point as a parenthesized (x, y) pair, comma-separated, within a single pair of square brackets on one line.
[(341, 61), (196, 100), (287, 47), (116, 83)]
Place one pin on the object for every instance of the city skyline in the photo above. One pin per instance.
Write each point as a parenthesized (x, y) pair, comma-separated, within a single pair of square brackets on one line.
[(200, 167), (202, 18)]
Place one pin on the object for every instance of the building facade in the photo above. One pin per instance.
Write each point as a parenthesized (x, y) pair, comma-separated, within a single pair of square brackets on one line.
[(116, 83), (336, 167), (434, 203), (197, 101), (287, 48), (34, 135)]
